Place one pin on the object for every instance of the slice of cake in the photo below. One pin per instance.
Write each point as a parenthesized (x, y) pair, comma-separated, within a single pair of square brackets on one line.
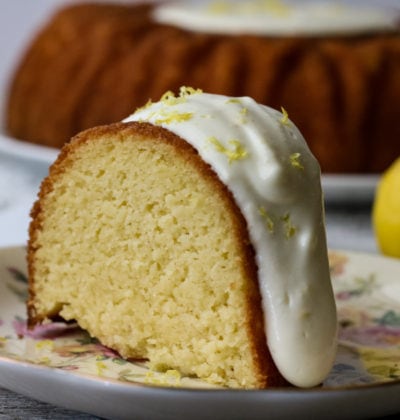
[(191, 235)]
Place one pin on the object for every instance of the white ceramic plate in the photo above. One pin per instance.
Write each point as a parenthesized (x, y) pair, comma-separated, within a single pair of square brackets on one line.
[(60, 364)]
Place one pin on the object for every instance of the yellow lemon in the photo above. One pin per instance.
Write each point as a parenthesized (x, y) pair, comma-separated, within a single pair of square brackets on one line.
[(386, 211)]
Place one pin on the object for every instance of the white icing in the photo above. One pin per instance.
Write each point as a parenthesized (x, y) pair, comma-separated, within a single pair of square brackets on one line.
[(265, 162), (276, 18)]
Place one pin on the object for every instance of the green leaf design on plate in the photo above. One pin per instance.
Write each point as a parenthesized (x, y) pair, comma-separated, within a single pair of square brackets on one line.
[(385, 371), (389, 318)]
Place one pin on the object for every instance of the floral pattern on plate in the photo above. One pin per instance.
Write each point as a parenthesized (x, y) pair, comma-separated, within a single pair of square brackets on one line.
[(367, 290)]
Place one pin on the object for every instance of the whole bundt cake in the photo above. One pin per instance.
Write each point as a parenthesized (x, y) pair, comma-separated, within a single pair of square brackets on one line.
[(191, 235), (95, 63)]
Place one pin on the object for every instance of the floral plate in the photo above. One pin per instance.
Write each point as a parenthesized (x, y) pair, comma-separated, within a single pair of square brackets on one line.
[(61, 364)]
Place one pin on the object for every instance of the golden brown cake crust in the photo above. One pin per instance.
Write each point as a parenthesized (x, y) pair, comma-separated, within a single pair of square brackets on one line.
[(268, 374), (342, 92)]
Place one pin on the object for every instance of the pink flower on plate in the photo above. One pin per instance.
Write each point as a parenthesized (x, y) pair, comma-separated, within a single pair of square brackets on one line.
[(51, 330), (375, 336), (77, 349), (107, 352)]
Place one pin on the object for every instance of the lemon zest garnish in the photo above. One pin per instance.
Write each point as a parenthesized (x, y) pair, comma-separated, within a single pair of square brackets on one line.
[(269, 223), (237, 151), (295, 161), (187, 91), (170, 99), (164, 115), (243, 113), (243, 110), (290, 229), (145, 106), (285, 118), (167, 95), (233, 101), (171, 117)]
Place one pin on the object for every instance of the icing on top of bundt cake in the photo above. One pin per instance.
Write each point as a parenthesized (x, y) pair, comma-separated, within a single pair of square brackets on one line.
[(265, 162), (276, 18)]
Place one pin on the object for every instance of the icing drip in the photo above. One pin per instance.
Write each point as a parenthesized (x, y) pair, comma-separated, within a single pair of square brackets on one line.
[(265, 162)]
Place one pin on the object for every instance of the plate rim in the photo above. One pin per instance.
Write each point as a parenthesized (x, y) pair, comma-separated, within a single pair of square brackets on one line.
[(134, 385)]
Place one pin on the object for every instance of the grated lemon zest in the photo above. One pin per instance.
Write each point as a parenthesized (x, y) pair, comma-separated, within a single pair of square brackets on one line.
[(145, 106), (285, 118), (233, 101), (290, 229), (237, 151), (243, 113), (172, 117), (295, 161), (187, 91), (269, 223), (170, 99)]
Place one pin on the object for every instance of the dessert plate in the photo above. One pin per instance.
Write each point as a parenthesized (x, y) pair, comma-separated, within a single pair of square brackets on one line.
[(61, 364)]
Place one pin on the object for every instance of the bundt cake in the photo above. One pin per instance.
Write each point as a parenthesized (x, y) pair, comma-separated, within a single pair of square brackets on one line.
[(336, 74), (190, 235)]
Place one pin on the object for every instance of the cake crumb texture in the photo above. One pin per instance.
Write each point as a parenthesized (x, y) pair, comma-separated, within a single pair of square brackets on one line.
[(135, 238)]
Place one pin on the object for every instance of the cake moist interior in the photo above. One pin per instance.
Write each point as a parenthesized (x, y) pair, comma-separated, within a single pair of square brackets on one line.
[(136, 238)]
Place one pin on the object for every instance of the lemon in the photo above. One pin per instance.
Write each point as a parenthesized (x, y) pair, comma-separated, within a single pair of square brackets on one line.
[(386, 211)]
